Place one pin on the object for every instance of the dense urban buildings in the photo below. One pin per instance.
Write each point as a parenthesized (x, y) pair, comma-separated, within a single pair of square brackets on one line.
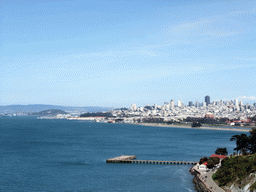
[(230, 110)]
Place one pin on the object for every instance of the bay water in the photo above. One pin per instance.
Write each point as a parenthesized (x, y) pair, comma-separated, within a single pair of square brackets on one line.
[(63, 155)]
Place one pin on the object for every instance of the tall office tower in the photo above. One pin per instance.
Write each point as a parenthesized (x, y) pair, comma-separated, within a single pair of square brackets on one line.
[(207, 100), (179, 103), (196, 104), (241, 103), (204, 104), (133, 107), (190, 103), (155, 106), (172, 103), (236, 102)]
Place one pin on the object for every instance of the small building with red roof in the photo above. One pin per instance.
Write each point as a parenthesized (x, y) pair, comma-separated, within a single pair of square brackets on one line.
[(219, 156), (203, 166)]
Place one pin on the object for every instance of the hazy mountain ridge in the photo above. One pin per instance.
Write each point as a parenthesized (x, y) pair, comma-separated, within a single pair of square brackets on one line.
[(40, 107), (49, 112)]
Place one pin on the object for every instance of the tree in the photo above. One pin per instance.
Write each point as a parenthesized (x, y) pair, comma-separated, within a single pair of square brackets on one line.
[(252, 140), (196, 124), (212, 162), (242, 143), (203, 160), (221, 151)]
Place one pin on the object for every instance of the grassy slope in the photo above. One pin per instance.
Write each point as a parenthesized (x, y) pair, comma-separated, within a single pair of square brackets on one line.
[(236, 169)]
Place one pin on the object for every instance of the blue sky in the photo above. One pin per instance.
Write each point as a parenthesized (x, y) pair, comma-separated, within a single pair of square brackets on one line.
[(116, 53)]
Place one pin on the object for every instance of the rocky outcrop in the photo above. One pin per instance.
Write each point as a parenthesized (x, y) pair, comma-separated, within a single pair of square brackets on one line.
[(198, 183), (244, 185)]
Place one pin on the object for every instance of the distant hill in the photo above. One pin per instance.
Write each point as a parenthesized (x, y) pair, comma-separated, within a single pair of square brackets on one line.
[(49, 112), (39, 107), (97, 114)]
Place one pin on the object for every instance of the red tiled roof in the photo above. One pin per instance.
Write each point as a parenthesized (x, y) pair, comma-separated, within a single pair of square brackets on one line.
[(219, 156), (205, 163)]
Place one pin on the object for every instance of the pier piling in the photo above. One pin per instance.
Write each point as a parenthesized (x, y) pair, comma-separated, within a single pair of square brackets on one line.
[(131, 159)]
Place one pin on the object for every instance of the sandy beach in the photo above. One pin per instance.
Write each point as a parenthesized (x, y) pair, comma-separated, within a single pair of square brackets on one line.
[(189, 127)]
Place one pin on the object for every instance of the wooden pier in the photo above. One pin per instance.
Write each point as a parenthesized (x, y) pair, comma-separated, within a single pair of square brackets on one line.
[(130, 159)]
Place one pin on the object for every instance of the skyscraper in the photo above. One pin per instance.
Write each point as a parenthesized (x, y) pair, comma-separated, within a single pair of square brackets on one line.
[(133, 107), (172, 103), (179, 103), (207, 100), (236, 102)]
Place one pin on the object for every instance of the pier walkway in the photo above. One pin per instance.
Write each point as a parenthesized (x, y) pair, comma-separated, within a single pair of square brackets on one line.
[(130, 159)]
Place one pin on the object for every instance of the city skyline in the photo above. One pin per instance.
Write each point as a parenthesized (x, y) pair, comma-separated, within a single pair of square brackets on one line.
[(117, 53), (180, 103)]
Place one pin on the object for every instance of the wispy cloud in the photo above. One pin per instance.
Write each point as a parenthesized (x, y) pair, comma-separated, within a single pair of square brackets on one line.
[(214, 27), (247, 58), (242, 12), (247, 97), (114, 53)]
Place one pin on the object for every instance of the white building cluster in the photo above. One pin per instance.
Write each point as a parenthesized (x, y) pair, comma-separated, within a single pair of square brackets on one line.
[(170, 111)]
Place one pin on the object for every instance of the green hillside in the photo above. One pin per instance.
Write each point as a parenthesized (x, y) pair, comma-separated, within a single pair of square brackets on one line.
[(236, 170)]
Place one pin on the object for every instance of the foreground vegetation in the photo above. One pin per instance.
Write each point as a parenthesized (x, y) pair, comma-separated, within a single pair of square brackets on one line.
[(236, 169), (245, 144)]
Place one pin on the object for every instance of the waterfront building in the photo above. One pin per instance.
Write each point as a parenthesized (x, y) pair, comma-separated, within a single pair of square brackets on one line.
[(207, 99), (209, 116), (203, 166)]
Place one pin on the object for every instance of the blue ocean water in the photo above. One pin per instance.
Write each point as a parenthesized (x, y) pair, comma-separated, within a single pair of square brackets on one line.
[(63, 155)]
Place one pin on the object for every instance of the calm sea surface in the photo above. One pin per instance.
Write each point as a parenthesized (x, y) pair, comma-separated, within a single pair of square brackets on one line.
[(62, 155)]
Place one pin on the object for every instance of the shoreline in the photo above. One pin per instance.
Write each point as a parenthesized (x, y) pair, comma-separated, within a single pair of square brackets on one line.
[(189, 127), (183, 126)]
